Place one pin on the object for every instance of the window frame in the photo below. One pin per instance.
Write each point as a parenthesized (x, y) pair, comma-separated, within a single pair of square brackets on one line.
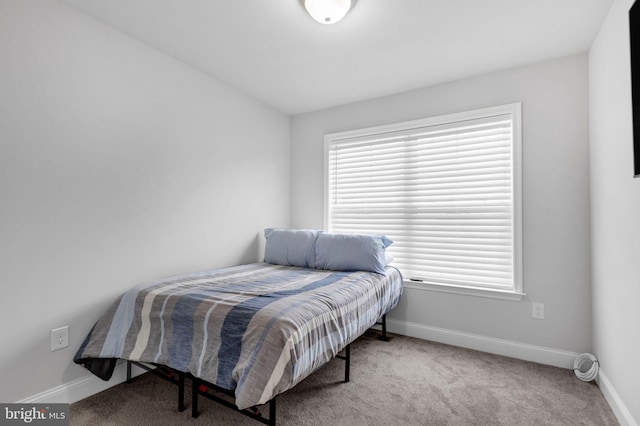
[(515, 110)]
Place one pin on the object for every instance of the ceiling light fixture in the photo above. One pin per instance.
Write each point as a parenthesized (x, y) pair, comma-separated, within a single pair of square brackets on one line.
[(327, 11)]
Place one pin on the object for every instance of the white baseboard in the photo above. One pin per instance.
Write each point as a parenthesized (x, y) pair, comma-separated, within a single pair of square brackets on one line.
[(82, 388), (527, 352), (617, 405), (90, 385)]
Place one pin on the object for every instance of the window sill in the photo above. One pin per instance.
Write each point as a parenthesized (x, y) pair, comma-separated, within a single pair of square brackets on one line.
[(467, 291)]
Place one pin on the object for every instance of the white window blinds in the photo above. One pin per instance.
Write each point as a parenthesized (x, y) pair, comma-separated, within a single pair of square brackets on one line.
[(443, 189)]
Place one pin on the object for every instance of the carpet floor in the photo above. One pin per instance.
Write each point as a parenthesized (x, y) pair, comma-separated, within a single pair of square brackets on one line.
[(405, 381)]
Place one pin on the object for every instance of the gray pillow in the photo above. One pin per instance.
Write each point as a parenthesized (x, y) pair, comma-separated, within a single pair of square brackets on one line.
[(292, 247), (352, 252)]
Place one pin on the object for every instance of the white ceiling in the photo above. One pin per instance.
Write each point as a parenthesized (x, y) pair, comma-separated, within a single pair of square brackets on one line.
[(276, 53)]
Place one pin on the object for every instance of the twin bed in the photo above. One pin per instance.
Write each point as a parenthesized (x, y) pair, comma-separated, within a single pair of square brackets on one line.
[(251, 331)]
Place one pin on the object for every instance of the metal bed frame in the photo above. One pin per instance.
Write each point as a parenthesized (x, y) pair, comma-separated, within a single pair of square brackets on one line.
[(203, 388)]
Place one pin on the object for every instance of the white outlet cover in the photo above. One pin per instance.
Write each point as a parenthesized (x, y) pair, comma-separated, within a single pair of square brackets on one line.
[(537, 310), (60, 338)]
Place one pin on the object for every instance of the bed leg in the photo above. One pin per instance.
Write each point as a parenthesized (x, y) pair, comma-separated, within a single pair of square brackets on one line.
[(272, 412), (347, 363), (181, 392), (194, 397), (384, 336), (128, 371)]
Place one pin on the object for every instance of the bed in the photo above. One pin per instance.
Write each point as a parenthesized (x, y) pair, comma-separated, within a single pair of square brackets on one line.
[(253, 330)]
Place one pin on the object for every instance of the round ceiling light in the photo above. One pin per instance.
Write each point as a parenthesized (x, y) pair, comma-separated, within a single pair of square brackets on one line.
[(327, 11)]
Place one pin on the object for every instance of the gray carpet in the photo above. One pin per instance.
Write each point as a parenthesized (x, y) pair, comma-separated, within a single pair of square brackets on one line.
[(405, 381)]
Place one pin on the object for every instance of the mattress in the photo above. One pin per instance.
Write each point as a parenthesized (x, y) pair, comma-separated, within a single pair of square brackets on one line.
[(255, 329)]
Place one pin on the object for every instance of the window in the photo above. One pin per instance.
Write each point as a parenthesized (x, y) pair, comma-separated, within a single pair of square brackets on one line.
[(445, 189)]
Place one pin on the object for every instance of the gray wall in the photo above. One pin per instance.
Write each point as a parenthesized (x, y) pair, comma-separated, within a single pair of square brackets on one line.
[(556, 199), (117, 165), (615, 206)]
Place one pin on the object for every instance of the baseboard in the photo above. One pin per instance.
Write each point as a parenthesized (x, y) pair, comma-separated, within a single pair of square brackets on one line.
[(82, 388), (90, 385), (617, 405), (527, 352)]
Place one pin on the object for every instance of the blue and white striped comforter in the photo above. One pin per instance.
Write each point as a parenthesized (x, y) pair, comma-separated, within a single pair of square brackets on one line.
[(258, 329)]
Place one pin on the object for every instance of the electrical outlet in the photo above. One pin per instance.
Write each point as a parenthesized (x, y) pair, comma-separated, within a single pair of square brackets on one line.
[(537, 310), (59, 338)]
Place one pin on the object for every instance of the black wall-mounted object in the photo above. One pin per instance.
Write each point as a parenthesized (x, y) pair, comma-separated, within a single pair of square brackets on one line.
[(634, 39)]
